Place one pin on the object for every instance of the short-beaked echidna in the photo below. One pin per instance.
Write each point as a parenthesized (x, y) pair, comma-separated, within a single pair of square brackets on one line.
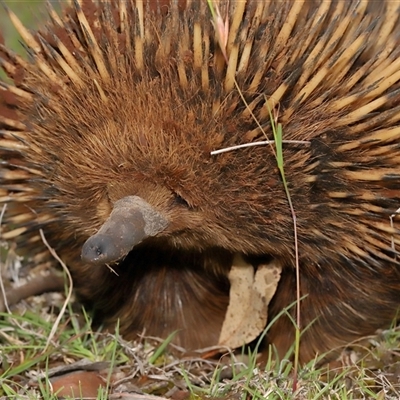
[(109, 126)]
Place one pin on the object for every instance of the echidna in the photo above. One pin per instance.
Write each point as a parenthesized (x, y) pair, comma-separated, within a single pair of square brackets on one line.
[(106, 139)]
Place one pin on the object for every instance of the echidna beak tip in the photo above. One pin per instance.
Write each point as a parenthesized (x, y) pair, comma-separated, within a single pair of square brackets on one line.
[(99, 249)]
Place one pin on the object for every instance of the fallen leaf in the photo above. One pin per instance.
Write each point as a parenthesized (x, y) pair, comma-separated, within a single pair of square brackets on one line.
[(78, 384), (82, 365), (249, 296)]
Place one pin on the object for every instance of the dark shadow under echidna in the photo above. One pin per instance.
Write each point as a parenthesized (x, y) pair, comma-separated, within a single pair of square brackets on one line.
[(117, 111)]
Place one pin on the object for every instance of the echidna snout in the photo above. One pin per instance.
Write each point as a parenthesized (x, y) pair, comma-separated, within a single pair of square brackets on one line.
[(131, 221)]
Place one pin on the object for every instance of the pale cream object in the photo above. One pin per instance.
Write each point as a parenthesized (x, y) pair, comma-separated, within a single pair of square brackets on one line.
[(250, 293)]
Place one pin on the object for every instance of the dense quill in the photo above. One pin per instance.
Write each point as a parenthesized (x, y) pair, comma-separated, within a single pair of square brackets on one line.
[(106, 133)]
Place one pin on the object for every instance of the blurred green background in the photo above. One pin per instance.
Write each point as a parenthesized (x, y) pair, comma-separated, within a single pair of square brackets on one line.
[(30, 13)]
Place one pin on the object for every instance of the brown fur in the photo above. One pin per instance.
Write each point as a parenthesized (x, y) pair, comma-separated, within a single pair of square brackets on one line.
[(119, 123)]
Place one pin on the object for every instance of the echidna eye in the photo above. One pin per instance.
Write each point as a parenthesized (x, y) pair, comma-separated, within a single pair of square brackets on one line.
[(180, 201)]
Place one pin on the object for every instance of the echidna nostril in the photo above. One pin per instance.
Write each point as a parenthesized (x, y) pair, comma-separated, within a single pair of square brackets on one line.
[(100, 249)]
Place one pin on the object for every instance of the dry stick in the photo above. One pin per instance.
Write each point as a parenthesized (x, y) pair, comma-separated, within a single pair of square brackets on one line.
[(41, 284), (134, 396), (67, 299), (13, 296), (38, 285)]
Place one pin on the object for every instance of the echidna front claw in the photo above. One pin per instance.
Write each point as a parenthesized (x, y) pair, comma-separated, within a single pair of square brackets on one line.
[(131, 221)]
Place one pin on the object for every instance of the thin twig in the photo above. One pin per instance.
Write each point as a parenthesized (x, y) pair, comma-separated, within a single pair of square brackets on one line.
[(259, 143)]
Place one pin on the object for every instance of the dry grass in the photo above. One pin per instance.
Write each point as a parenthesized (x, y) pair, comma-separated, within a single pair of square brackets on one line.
[(144, 368)]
